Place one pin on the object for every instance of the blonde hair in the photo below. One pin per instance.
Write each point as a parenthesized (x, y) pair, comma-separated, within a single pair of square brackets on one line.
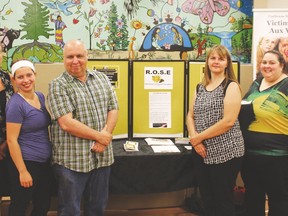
[(223, 52), (260, 52)]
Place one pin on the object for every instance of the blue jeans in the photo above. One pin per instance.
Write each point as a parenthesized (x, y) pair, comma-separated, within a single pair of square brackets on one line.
[(93, 187)]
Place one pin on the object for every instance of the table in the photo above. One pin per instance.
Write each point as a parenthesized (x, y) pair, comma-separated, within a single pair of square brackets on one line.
[(148, 172)]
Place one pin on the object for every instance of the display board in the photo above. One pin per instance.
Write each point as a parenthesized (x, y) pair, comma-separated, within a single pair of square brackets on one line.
[(117, 71), (118, 74), (158, 98), (196, 73)]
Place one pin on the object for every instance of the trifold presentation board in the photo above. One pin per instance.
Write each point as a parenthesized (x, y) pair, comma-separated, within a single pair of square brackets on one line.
[(196, 73), (158, 98), (118, 74), (153, 96)]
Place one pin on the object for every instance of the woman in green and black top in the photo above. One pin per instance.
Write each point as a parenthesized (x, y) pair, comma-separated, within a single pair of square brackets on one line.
[(265, 168)]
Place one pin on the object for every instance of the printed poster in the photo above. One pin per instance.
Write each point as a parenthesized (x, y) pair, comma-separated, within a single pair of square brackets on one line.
[(270, 32), (158, 78)]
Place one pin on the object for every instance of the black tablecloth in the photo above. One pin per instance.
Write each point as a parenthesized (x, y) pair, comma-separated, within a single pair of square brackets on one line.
[(143, 171), (148, 172)]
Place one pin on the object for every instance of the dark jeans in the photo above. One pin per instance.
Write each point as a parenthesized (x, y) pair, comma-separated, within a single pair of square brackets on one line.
[(72, 186), (216, 184), (265, 175), (39, 193)]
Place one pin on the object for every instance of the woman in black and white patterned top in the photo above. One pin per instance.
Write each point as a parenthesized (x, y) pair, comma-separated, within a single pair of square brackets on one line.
[(215, 134)]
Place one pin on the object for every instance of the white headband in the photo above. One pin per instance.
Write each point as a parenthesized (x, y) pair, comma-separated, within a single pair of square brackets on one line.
[(22, 63)]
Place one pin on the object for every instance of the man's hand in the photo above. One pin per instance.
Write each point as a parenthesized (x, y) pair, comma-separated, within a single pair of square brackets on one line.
[(98, 147), (105, 138)]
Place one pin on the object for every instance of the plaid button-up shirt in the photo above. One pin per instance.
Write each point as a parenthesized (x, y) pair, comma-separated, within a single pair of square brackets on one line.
[(89, 102)]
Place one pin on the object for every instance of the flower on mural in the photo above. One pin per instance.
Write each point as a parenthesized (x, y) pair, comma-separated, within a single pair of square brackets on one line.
[(178, 19), (119, 23), (101, 45), (102, 41), (119, 34), (112, 45), (76, 1), (98, 32), (210, 29), (91, 2), (136, 24), (75, 21), (92, 12), (133, 38), (107, 28), (104, 1), (232, 19)]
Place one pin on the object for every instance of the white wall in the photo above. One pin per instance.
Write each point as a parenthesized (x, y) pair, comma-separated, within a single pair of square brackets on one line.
[(271, 4), (277, 4)]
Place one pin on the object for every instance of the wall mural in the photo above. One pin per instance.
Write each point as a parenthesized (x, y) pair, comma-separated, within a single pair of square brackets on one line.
[(134, 29)]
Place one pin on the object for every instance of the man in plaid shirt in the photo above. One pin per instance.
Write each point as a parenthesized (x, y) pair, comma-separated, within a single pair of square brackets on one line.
[(84, 111)]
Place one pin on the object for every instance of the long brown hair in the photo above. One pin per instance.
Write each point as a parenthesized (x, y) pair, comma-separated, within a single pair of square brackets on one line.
[(223, 52)]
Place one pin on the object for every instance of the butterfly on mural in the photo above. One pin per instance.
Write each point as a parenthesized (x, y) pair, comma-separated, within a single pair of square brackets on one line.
[(206, 8)]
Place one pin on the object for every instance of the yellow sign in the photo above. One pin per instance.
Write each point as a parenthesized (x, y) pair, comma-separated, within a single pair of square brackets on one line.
[(117, 72)]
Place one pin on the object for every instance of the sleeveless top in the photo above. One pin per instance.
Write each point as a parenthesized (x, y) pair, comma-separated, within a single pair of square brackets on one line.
[(208, 110)]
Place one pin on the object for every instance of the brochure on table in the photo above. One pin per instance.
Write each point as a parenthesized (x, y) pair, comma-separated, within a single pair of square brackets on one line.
[(162, 145)]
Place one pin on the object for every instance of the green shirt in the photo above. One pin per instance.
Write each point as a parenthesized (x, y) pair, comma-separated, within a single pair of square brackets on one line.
[(267, 134), (89, 102)]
